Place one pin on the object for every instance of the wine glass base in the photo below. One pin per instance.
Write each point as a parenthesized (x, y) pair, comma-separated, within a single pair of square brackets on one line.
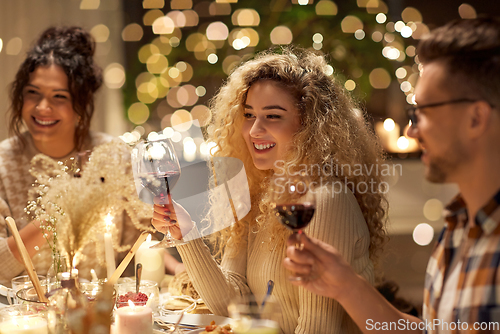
[(168, 243)]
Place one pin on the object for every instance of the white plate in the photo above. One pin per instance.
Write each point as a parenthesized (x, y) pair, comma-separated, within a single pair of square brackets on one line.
[(196, 319)]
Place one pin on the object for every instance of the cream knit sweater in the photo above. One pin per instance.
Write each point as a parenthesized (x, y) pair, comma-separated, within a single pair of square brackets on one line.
[(338, 221), (15, 181)]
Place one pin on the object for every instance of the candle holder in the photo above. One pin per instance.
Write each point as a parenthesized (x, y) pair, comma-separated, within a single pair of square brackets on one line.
[(24, 319), (125, 290)]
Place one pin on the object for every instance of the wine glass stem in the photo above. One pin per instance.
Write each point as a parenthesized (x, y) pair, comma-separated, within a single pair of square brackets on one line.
[(298, 244)]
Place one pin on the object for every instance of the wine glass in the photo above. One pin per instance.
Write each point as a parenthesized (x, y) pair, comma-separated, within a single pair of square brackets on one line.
[(251, 316), (156, 166), (293, 200)]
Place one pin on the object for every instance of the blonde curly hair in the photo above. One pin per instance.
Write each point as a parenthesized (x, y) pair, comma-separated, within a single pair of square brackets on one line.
[(332, 130)]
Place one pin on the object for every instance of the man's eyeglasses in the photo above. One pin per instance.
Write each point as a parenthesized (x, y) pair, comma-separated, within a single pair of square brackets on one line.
[(412, 110)]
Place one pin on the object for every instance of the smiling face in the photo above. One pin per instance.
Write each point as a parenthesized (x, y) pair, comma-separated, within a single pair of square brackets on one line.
[(271, 120), (48, 112), (438, 129)]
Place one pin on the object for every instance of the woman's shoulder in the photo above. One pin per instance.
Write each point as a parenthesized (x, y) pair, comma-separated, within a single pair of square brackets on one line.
[(336, 198), (11, 146)]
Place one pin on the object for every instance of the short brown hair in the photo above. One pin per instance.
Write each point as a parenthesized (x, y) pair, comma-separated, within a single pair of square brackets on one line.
[(470, 50)]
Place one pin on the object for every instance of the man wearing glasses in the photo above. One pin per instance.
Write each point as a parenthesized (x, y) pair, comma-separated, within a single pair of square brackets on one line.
[(457, 123)]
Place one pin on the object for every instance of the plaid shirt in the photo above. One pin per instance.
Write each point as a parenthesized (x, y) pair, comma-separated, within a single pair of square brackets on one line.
[(478, 293)]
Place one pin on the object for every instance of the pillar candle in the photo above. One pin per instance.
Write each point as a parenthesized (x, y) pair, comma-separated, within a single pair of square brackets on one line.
[(108, 247), (153, 266), (25, 325), (134, 320)]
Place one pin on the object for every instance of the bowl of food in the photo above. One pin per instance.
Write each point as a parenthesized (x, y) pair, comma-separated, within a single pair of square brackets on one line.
[(126, 290)]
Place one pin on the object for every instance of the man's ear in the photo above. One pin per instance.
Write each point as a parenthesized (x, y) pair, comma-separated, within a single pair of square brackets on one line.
[(479, 118)]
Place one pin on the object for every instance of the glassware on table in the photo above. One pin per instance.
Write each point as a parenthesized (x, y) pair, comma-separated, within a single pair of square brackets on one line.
[(156, 165), (18, 283), (125, 289), (59, 265), (251, 317), (68, 305), (293, 200), (24, 318)]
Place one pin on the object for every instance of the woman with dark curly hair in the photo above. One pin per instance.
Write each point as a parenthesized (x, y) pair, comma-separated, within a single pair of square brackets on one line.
[(53, 99), (283, 112)]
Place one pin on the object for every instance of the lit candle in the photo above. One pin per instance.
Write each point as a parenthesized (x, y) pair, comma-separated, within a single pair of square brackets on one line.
[(153, 267), (133, 319), (108, 247), (25, 325), (94, 276)]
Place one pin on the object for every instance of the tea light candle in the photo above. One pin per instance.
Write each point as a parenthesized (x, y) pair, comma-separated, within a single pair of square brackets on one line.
[(153, 267), (134, 319), (25, 325), (108, 247)]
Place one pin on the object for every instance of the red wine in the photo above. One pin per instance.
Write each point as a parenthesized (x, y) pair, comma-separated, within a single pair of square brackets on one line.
[(160, 183), (295, 216)]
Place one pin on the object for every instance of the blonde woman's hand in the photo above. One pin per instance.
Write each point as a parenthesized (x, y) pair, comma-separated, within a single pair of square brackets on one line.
[(324, 268), (172, 216)]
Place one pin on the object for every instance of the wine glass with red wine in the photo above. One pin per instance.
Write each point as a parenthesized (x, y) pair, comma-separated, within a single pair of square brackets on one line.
[(294, 202), (156, 166)]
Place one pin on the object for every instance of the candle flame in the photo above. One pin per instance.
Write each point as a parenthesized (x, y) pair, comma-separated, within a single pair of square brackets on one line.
[(94, 275), (109, 221), (131, 304), (148, 239)]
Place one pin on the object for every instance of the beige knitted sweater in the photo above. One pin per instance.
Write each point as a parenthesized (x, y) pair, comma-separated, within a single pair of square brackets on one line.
[(15, 181), (338, 221)]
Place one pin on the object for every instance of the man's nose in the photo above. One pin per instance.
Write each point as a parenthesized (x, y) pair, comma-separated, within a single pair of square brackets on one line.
[(412, 131)]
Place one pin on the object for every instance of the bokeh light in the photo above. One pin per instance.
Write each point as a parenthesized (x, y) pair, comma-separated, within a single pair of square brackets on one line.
[(151, 16), (114, 76), (350, 85), (326, 8), (100, 33), (178, 18), (410, 14), (381, 18), (466, 11), (157, 63), (181, 120), (148, 4), (90, 4), (132, 33), (281, 35), (217, 31), (433, 209), (202, 114), (423, 234), (147, 51), (181, 4), (245, 17), (14, 46), (163, 25), (350, 24), (379, 78), (138, 113), (389, 124)]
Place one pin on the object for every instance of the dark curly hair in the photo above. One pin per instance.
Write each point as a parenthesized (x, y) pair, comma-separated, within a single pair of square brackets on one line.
[(71, 48)]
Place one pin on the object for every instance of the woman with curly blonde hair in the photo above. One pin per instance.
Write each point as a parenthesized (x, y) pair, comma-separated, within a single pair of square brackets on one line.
[(283, 112)]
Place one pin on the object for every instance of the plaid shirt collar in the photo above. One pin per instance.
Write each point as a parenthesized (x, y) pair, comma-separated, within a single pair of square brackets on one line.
[(456, 214)]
